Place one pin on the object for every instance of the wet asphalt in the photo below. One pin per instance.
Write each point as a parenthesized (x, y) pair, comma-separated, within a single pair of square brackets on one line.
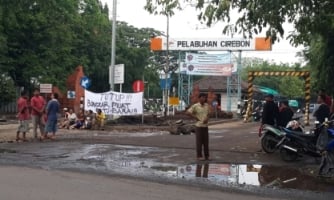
[(237, 165)]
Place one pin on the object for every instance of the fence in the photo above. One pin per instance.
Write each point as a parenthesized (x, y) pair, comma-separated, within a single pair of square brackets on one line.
[(8, 108)]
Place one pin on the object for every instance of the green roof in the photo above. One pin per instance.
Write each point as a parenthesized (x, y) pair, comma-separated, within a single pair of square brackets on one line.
[(267, 90), (293, 103)]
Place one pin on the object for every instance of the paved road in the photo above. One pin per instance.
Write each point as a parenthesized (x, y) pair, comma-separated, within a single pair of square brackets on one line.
[(116, 151), (32, 184)]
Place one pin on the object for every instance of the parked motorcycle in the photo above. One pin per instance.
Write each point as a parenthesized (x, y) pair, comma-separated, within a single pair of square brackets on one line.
[(296, 144), (257, 114), (272, 137), (325, 145)]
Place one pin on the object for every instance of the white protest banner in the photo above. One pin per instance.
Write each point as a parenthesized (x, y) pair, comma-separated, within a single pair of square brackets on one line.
[(115, 103)]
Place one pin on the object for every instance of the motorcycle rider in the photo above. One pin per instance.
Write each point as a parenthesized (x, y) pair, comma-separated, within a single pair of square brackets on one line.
[(270, 111), (328, 99), (323, 110), (285, 114)]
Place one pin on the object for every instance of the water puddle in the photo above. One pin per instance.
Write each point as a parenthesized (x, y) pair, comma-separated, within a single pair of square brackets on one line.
[(155, 162), (256, 175), (138, 161)]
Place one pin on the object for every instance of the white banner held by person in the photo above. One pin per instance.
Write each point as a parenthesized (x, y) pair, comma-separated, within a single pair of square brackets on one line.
[(115, 103)]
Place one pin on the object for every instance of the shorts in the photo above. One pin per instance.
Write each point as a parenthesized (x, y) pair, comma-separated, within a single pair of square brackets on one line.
[(23, 126)]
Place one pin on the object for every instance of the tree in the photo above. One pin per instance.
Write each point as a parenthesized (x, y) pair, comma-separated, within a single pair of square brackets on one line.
[(320, 55), (7, 89), (92, 43), (291, 87), (310, 19), (44, 41), (39, 39)]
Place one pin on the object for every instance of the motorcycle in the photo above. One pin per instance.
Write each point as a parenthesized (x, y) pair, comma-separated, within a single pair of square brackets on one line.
[(325, 145), (296, 144), (257, 114), (272, 137)]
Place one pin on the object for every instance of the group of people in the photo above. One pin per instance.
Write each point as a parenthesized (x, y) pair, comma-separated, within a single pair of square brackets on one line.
[(84, 120), (45, 116), (282, 114), (272, 114)]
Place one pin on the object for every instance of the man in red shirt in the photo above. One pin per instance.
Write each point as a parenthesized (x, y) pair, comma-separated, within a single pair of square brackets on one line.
[(23, 116), (37, 103)]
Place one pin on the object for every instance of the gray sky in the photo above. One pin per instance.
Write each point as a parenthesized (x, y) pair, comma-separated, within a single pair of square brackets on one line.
[(185, 24)]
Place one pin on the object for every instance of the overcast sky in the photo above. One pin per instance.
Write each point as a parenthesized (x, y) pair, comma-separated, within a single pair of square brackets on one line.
[(185, 24)]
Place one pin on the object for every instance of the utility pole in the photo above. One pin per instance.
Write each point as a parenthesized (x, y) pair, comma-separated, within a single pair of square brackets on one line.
[(166, 69), (113, 45)]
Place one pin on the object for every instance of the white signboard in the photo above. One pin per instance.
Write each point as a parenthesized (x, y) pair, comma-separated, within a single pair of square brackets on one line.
[(45, 88), (213, 44), (209, 64), (119, 74), (115, 103)]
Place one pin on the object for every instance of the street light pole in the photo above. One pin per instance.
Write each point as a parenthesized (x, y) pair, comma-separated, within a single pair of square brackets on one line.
[(167, 68), (113, 45)]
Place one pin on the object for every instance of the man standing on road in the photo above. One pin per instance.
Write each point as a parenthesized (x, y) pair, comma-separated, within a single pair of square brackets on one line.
[(37, 103), (270, 111), (200, 112), (23, 116)]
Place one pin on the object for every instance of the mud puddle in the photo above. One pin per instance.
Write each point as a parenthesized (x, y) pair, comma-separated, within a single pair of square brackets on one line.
[(138, 161), (149, 162)]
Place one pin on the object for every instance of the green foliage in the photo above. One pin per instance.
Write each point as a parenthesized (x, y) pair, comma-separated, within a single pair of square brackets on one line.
[(44, 41), (320, 55), (39, 39), (7, 89), (164, 7), (313, 22), (291, 87)]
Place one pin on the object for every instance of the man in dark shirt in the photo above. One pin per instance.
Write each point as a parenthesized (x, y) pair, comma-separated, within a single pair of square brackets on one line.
[(285, 114), (328, 99), (323, 111), (270, 111)]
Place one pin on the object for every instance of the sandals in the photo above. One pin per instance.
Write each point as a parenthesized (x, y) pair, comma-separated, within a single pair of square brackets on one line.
[(41, 138), (21, 139)]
